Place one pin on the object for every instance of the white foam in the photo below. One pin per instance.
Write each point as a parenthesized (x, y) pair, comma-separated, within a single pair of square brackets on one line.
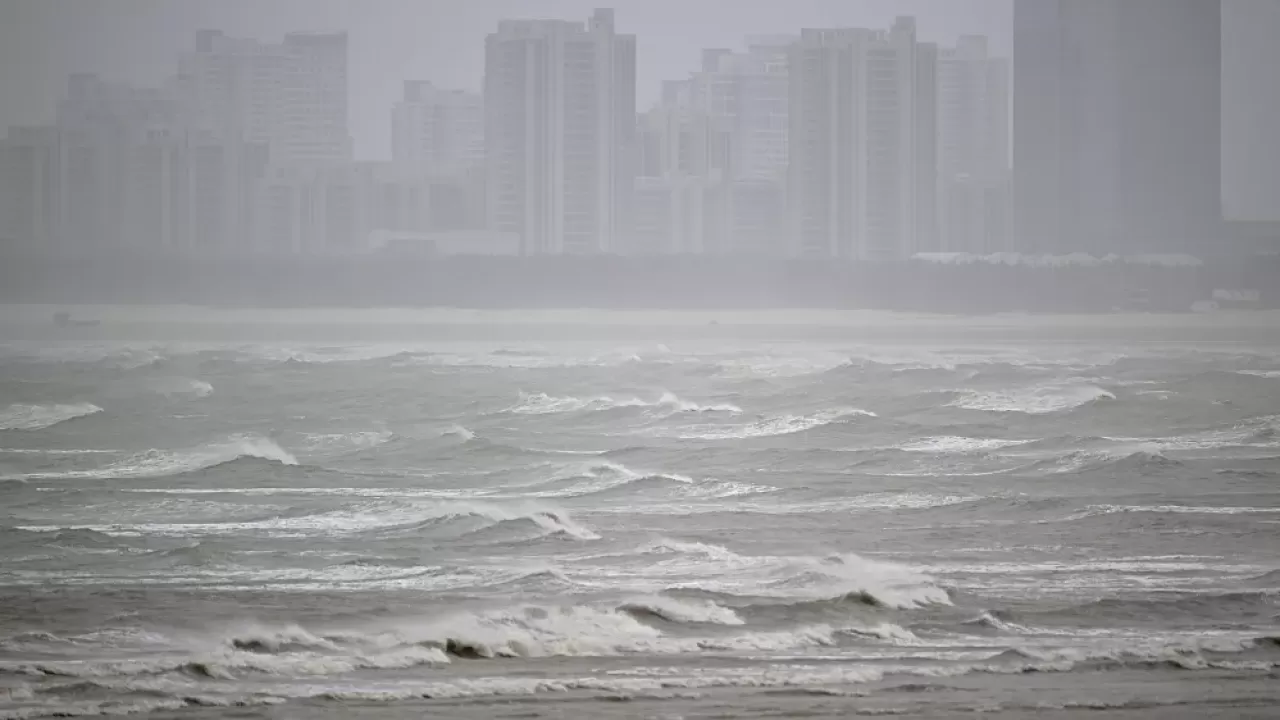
[(373, 516), (783, 425), (1035, 400), (544, 404), (1270, 374), (953, 444), (346, 442), (183, 386), (670, 400), (1096, 510), (39, 417), (714, 568), (459, 432), (159, 463), (684, 611)]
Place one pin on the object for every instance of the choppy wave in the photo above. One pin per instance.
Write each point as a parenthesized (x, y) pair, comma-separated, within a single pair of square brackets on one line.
[(954, 444), (345, 442), (39, 417), (542, 632), (543, 404), (601, 478), (183, 386), (162, 463), (797, 579), (781, 425), (1040, 400), (450, 518), (460, 432), (682, 611)]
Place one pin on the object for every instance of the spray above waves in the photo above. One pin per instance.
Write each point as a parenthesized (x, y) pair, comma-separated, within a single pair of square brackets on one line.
[(339, 443), (40, 417)]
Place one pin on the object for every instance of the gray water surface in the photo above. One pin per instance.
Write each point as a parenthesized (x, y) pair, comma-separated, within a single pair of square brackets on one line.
[(487, 528)]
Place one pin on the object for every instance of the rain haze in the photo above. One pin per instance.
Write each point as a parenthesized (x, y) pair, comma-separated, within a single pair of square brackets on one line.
[(658, 360)]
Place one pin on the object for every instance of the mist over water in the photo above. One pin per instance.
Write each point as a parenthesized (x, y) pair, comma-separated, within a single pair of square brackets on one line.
[(666, 519)]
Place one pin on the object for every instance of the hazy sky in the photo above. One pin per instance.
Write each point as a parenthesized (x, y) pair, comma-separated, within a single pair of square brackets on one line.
[(393, 40)]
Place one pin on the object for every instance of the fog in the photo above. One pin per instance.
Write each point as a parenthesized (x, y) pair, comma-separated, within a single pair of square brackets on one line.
[(508, 359), (966, 156)]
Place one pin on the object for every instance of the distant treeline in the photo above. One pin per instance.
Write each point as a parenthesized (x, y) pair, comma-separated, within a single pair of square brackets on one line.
[(660, 282)]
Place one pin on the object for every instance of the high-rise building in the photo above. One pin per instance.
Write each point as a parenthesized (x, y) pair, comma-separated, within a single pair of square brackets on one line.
[(437, 132), (290, 95), (973, 149), (30, 188), (560, 122), (746, 93), (1251, 121), (337, 208), (859, 117), (1117, 124)]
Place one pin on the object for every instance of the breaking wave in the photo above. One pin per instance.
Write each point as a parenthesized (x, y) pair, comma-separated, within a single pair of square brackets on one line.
[(39, 417), (799, 580), (544, 404), (781, 425), (162, 463), (182, 386), (1034, 401), (612, 477)]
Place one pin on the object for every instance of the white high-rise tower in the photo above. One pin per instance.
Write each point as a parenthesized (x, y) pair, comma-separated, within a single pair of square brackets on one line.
[(559, 132)]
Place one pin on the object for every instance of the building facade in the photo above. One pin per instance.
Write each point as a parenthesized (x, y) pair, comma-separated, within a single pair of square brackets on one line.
[(291, 95), (1117, 126), (436, 132), (859, 121), (560, 122), (974, 162)]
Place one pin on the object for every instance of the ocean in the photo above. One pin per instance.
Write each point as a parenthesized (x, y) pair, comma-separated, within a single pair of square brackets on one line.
[(298, 521)]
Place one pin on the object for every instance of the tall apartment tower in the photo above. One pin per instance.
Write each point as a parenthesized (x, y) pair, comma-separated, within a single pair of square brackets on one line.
[(436, 131), (560, 123), (974, 156), (1117, 124), (858, 117), (291, 95), (30, 187)]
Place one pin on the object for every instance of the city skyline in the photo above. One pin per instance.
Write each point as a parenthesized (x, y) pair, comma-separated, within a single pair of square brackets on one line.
[(858, 143), (136, 41), (222, 155)]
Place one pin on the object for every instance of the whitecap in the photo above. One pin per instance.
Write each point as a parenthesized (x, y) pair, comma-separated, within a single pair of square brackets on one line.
[(1038, 400), (160, 463), (782, 425), (40, 417)]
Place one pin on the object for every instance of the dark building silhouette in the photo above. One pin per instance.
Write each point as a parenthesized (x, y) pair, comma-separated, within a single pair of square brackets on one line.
[(1117, 126)]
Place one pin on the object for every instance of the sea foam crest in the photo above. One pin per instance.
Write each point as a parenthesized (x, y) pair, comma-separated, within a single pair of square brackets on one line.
[(544, 404), (39, 417), (183, 386), (1034, 401), (682, 611), (382, 516), (161, 463), (796, 579), (781, 425), (954, 444)]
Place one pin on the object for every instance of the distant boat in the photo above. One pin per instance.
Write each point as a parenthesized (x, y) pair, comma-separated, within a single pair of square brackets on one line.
[(63, 319)]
